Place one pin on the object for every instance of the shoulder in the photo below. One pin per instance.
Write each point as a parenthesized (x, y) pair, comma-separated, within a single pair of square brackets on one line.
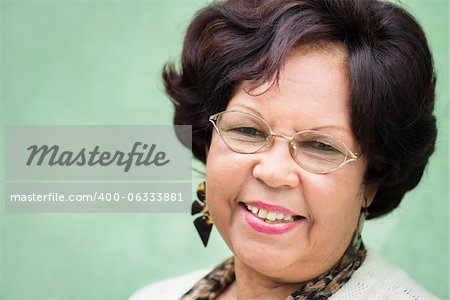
[(377, 279), (169, 289)]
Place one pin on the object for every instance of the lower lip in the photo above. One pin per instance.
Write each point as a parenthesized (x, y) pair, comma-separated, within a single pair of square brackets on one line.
[(260, 226)]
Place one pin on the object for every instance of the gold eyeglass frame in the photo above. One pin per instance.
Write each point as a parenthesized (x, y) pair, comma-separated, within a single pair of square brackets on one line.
[(349, 155)]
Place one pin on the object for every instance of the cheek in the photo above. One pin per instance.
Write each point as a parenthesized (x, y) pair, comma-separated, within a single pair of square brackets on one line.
[(334, 204), (226, 173), (224, 170)]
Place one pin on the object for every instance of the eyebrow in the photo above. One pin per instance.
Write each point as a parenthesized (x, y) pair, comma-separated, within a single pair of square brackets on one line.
[(318, 128)]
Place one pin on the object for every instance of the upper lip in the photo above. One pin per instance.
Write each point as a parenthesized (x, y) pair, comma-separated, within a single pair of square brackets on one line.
[(272, 207)]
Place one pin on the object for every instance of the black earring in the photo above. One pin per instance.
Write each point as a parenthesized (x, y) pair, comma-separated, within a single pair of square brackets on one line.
[(362, 218), (203, 223)]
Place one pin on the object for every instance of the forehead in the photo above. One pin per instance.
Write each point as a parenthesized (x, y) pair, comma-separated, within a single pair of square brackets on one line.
[(312, 90)]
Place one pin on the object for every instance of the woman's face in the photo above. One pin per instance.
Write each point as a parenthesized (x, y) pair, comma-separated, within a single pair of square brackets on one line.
[(312, 94)]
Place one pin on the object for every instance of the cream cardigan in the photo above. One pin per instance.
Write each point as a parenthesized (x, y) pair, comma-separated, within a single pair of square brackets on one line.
[(374, 280)]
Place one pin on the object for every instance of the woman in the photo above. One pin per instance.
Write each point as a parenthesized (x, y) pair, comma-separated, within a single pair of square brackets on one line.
[(310, 116)]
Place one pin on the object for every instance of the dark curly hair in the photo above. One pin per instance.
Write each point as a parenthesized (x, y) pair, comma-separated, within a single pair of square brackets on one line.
[(389, 61)]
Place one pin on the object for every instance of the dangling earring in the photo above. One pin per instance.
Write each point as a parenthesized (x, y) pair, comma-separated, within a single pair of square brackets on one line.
[(362, 218), (366, 207), (203, 223)]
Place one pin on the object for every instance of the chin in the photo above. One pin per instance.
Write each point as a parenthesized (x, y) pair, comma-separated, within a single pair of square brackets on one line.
[(262, 258)]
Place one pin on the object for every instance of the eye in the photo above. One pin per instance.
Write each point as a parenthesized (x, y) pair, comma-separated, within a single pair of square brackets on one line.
[(249, 132), (318, 146)]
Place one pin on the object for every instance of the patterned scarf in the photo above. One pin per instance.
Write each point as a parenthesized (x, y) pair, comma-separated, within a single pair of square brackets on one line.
[(319, 288)]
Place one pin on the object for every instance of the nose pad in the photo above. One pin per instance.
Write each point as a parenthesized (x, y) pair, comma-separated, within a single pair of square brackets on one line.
[(269, 142), (293, 149)]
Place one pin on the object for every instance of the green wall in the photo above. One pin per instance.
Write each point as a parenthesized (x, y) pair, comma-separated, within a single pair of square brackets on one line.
[(98, 62)]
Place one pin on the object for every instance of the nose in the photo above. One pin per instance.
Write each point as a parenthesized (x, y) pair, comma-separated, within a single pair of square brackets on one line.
[(275, 166)]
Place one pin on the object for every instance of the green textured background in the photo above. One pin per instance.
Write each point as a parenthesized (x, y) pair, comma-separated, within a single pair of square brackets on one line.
[(98, 62)]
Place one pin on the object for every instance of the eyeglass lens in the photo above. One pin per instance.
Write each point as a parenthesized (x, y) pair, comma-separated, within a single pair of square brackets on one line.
[(312, 150)]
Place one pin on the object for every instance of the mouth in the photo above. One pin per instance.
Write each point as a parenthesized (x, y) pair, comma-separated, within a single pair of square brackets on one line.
[(270, 216), (269, 219)]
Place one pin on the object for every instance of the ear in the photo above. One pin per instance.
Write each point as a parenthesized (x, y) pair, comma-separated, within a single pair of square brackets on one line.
[(369, 194)]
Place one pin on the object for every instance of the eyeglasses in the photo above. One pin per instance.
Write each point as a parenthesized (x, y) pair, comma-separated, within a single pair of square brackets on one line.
[(315, 151)]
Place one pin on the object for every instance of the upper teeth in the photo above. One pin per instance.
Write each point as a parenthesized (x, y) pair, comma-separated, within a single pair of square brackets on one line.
[(269, 215)]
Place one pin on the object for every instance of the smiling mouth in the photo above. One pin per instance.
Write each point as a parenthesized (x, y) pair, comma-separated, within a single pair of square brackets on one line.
[(270, 217)]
